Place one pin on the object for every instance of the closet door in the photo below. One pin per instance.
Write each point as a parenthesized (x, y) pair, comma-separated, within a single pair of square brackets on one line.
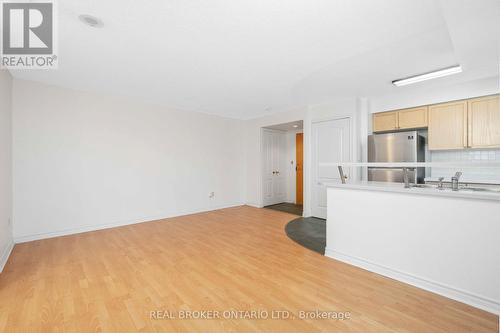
[(331, 142), (267, 168), (273, 169), (279, 156)]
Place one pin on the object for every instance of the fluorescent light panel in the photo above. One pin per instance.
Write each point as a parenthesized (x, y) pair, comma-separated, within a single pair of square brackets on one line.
[(428, 76)]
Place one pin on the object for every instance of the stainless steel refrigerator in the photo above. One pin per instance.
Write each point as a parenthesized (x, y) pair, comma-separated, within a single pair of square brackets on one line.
[(396, 147)]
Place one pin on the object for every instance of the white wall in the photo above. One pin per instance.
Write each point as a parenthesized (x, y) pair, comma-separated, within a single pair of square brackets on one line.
[(5, 167), (451, 247), (84, 161)]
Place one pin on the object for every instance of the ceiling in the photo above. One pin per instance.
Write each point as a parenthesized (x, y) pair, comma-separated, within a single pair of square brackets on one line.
[(249, 58)]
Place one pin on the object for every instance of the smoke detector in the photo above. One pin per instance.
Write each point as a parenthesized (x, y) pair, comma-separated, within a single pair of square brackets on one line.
[(91, 21)]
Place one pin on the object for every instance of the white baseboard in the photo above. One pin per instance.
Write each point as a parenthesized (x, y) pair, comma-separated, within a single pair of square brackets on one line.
[(77, 230), (4, 255), (251, 204), (463, 296)]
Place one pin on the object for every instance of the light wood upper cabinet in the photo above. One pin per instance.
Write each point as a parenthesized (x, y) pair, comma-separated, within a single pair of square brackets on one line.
[(448, 125), (484, 122), (401, 119), (385, 121), (413, 118)]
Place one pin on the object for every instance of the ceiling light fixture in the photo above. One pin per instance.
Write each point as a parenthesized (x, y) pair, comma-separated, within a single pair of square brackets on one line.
[(428, 76), (295, 126), (91, 21)]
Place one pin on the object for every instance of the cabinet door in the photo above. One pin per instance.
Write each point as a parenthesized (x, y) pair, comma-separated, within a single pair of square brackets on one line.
[(484, 122), (413, 118), (448, 125), (385, 121)]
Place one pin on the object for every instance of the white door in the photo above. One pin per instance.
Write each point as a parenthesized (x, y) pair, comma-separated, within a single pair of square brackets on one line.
[(331, 142), (273, 171)]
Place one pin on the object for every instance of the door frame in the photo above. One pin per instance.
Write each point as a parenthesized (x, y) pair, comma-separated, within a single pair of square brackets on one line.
[(296, 170)]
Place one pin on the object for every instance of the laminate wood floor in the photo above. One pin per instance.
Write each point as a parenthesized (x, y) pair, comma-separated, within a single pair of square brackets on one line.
[(233, 259)]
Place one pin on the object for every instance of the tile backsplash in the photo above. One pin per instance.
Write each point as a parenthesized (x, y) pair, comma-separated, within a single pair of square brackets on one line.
[(479, 156)]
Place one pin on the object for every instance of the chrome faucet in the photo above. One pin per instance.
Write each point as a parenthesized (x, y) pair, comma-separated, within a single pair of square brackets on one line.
[(342, 176), (440, 184), (454, 181), (406, 178)]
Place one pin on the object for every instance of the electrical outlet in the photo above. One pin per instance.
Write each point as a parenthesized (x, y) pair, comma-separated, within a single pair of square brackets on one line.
[(211, 195)]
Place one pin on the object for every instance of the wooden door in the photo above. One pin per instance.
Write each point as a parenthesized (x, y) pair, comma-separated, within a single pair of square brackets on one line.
[(448, 125), (331, 142), (299, 157), (385, 121), (484, 122), (412, 118)]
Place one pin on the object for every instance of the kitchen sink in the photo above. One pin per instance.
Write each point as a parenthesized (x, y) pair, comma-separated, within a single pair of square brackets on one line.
[(464, 189), (480, 189), (423, 186), (469, 189)]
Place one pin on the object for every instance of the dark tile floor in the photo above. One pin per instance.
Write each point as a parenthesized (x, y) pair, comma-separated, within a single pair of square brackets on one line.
[(287, 208), (309, 232)]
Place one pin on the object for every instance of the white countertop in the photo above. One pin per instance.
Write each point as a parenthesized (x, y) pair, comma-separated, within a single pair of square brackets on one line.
[(399, 188), (465, 180)]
